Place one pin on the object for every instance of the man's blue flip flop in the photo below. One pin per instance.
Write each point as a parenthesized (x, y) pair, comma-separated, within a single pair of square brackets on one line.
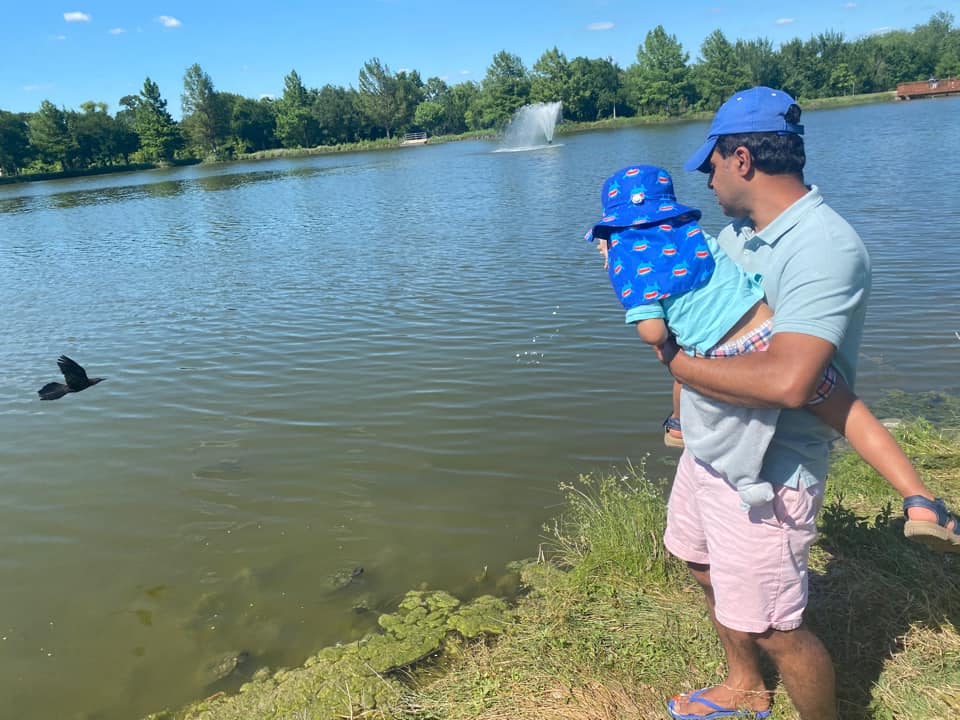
[(718, 710)]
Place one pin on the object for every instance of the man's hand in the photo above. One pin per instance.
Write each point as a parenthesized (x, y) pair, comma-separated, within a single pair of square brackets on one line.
[(667, 350)]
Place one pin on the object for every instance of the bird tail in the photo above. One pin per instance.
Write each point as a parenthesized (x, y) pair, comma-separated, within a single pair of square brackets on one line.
[(53, 391)]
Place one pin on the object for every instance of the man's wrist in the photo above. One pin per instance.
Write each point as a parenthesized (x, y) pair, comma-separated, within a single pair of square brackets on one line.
[(668, 350)]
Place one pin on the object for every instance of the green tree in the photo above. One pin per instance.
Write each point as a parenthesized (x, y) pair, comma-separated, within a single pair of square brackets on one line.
[(50, 136), (93, 134), (504, 89), (658, 84), (430, 114), (253, 124), (336, 112), (842, 81), (827, 51), (865, 60), (595, 89), (409, 96), (435, 89), (761, 62), (159, 135), (550, 78), (296, 124), (453, 101), (949, 63), (429, 117), (930, 39), (799, 72), (383, 97), (125, 141), (720, 72), (901, 61), (205, 118), (457, 106), (15, 150)]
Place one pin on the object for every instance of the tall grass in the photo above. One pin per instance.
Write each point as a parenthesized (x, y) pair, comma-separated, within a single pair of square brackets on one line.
[(612, 625)]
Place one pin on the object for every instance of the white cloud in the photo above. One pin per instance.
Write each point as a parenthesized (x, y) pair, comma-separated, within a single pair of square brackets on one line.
[(59, 37), (465, 72), (600, 26), (168, 21), (36, 88), (76, 17), (785, 21), (116, 31), (850, 6)]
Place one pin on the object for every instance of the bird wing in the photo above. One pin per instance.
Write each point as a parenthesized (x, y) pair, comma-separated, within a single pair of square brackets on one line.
[(75, 375)]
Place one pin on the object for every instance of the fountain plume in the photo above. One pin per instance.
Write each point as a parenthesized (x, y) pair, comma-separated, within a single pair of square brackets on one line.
[(532, 126)]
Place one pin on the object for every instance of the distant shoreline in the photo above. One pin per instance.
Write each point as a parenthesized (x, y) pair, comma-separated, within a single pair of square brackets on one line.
[(564, 128)]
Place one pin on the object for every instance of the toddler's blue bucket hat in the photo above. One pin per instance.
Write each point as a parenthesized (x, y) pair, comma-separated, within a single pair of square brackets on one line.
[(639, 195), (759, 109)]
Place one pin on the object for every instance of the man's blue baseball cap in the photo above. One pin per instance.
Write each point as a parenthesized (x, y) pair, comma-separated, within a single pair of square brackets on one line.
[(759, 109)]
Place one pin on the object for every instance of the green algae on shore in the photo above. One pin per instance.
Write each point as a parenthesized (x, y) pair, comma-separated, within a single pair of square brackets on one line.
[(349, 679)]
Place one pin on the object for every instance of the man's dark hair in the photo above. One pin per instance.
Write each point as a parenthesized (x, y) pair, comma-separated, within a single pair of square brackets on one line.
[(773, 153)]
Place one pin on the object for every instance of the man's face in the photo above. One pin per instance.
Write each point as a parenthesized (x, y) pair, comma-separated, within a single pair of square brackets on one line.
[(727, 184)]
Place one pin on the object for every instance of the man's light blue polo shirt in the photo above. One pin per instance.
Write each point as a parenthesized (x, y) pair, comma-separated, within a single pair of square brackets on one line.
[(815, 272), (701, 317)]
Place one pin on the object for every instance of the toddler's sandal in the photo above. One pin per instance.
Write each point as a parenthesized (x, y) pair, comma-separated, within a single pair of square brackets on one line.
[(935, 535), (672, 423)]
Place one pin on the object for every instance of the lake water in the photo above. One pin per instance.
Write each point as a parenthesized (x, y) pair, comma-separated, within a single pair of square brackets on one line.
[(385, 360)]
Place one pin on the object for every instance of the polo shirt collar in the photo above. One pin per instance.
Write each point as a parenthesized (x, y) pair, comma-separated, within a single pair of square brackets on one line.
[(784, 222)]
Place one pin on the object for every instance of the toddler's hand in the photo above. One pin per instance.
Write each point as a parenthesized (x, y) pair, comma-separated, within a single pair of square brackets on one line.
[(602, 249)]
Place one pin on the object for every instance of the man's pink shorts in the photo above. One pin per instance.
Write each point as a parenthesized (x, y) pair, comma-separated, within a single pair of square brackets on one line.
[(757, 558)]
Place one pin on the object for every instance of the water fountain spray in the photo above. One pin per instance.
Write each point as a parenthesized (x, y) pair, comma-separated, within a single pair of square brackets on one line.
[(532, 126)]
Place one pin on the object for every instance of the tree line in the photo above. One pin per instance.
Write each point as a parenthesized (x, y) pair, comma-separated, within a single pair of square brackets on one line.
[(662, 82)]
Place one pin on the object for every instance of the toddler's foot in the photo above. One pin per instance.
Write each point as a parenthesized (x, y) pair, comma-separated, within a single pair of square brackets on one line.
[(931, 523), (672, 433)]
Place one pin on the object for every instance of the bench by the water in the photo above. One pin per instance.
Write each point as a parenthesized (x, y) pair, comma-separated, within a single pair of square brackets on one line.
[(417, 138)]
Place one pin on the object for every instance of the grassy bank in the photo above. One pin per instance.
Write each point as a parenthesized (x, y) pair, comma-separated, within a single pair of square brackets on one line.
[(618, 627), (109, 170), (610, 626)]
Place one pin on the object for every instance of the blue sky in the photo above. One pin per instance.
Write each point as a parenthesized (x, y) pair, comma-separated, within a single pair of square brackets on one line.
[(77, 50)]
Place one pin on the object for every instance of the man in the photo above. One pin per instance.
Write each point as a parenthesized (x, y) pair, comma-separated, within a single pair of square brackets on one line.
[(815, 273)]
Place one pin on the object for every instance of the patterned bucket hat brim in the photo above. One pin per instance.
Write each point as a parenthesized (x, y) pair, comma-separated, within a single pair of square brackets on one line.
[(650, 263), (639, 195)]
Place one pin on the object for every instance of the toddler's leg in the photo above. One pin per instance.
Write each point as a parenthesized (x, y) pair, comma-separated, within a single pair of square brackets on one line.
[(849, 415)]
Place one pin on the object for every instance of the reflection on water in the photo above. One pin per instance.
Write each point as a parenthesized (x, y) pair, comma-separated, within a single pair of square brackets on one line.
[(386, 360), (152, 188)]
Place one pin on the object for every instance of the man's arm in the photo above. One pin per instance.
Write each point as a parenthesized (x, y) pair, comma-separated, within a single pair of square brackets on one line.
[(784, 376)]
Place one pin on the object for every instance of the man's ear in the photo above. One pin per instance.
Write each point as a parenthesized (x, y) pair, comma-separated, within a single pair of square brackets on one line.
[(743, 161)]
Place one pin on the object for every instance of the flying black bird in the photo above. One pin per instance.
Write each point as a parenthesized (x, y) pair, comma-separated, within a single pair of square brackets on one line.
[(75, 376)]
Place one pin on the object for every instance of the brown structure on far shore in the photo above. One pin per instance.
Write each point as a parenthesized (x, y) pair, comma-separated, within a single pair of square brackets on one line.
[(928, 88)]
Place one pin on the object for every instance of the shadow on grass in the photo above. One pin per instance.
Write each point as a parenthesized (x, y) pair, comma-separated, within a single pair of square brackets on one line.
[(875, 588)]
